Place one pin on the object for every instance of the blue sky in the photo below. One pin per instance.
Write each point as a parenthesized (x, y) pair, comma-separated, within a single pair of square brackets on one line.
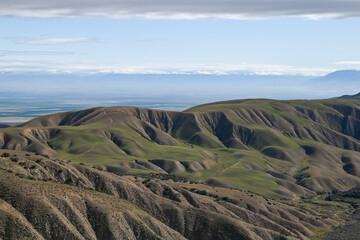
[(271, 45), (60, 50)]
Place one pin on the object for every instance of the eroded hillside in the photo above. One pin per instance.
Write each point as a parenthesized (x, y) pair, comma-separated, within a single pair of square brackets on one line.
[(43, 198)]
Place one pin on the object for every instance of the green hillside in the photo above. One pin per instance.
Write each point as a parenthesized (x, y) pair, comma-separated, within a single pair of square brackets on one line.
[(285, 149)]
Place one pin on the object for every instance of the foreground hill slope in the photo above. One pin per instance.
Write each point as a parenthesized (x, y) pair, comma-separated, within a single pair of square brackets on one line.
[(41, 198), (281, 149)]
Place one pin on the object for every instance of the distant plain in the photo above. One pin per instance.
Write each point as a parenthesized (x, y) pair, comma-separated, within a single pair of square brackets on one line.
[(21, 101)]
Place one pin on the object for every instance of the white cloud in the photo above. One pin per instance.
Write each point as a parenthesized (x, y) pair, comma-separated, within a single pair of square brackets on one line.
[(182, 9), (51, 41), (23, 53), (349, 63), (218, 69)]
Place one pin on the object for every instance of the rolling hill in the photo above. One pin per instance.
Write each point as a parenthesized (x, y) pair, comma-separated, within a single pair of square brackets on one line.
[(281, 149)]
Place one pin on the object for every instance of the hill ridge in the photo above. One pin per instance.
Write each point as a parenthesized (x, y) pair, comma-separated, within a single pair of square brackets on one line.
[(260, 139)]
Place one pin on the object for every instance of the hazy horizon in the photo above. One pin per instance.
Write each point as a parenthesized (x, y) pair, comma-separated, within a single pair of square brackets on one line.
[(25, 96)]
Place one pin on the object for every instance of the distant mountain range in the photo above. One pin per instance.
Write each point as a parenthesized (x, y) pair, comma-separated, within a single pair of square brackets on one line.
[(334, 84), (341, 76)]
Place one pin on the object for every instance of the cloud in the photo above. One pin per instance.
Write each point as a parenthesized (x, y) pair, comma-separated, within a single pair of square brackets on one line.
[(217, 69), (349, 63), (182, 9), (23, 53), (51, 41), (47, 41)]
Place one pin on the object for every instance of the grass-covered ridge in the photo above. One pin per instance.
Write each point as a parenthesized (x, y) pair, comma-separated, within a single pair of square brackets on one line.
[(279, 148)]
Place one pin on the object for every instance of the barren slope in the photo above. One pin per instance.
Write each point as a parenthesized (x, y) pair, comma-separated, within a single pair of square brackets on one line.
[(50, 199)]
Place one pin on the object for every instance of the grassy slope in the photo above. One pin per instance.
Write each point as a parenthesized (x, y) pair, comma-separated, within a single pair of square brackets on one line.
[(230, 167), (238, 174), (272, 149)]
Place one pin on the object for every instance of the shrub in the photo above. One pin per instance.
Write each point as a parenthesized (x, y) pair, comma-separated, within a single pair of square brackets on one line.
[(14, 159), (5, 154), (328, 198), (226, 199), (27, 155), (20, 175), (201, 192), (213, 195)]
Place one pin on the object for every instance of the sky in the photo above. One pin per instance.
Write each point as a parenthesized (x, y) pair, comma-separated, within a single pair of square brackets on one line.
[(171, 54), (264, 37)]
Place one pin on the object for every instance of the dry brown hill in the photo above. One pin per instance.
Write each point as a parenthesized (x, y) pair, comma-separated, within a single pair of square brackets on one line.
[(41, 198)]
